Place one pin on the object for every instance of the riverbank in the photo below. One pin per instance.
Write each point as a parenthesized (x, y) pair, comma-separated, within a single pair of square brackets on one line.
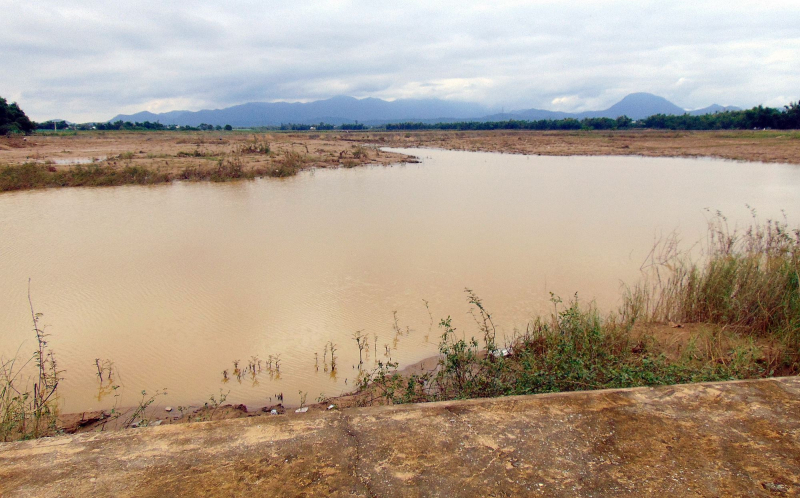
[(712, 439), (769, 146), (106, 158), (733, 314), (648, 354), (91, 159)]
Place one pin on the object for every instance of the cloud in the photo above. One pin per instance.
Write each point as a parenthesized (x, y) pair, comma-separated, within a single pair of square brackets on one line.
[(88, 59)]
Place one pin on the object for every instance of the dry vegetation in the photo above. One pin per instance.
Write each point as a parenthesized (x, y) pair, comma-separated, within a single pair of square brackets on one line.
[(766, 146), (120, 157)]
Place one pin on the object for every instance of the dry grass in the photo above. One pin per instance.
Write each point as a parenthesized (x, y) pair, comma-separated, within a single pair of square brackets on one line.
[(117, 158)]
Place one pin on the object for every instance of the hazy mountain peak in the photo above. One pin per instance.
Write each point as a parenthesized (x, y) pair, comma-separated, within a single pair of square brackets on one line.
[(641, 105), (345, 109)]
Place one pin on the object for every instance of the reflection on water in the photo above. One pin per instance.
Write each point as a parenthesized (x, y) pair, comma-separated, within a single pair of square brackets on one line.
[(173, 283)]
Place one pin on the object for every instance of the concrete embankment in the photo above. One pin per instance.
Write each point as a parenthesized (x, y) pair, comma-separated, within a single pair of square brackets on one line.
[(716, 439)]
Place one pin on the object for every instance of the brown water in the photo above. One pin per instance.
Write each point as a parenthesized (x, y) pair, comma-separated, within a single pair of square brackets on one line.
[(172, 283)]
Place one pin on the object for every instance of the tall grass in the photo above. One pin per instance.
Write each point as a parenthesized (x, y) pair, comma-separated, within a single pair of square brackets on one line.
[(742, 293), (747, 278)]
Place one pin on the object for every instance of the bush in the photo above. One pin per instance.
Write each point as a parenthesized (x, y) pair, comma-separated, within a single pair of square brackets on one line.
[(13, 119)]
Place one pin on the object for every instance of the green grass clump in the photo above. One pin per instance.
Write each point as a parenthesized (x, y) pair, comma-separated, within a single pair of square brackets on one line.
[(747, 279), (743, 294)]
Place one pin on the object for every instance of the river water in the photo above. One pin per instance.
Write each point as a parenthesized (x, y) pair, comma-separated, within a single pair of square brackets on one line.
[(172, 283)]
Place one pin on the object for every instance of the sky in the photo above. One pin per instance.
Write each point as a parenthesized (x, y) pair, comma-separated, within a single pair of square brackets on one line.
[(88, 60)]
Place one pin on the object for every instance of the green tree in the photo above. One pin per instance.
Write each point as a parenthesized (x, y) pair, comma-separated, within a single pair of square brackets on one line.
[(13, 120)]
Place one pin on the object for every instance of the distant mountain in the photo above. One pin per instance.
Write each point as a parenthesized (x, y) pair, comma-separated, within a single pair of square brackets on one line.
[(635, 106), (370, 111), (530, 115), (336, 110), (713, 109)]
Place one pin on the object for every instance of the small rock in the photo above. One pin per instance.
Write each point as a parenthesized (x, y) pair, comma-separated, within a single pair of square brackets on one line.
[(168, 409), (301, 410), (775, 487)]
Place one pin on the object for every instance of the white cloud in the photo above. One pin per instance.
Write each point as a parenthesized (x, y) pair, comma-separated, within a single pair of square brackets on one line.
[(90, 59)]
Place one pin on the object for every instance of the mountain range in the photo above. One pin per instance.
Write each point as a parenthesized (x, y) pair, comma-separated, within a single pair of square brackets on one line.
[(372, 111)]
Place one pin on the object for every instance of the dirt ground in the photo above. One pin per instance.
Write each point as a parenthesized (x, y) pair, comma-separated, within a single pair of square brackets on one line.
[(765, 146), (173, 152), (715, 439)]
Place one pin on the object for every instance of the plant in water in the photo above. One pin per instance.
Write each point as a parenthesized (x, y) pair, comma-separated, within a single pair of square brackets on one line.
[(30, 411), (361, 340)]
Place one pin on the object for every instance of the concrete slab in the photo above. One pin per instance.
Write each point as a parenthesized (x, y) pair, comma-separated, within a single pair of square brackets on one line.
[(716, 439)]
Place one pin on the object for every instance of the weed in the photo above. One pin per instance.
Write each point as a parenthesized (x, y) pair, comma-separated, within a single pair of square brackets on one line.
[(30, 411), (747, 279), (291, 163), (212, 405), (138, 417), (744, 291), (256, 146), (361, 341)]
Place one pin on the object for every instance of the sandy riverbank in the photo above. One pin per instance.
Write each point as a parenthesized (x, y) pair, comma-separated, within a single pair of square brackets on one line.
[(120, 157)]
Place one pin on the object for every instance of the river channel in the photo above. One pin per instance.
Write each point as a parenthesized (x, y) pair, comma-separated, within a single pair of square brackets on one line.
[(171, 284)]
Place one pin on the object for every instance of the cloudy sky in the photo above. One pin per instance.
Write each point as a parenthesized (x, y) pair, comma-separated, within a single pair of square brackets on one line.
[(85, 60)]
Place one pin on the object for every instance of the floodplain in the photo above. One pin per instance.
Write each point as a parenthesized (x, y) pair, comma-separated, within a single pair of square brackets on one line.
[(249, 289)]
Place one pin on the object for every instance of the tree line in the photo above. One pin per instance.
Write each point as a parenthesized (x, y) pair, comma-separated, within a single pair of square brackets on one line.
[(14, 120), (127, 125), (756, 118)]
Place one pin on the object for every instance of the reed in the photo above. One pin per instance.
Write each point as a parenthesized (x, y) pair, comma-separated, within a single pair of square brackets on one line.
[(747, 279), (740, 299)]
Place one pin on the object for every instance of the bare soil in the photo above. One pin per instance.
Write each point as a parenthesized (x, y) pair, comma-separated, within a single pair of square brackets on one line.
[(764, 146), (172, 153)]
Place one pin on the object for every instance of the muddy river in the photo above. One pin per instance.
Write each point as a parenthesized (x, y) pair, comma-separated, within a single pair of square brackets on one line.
[(169, 285)]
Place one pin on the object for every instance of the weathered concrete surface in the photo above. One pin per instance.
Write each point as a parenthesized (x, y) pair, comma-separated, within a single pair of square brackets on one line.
[(718, 439)]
